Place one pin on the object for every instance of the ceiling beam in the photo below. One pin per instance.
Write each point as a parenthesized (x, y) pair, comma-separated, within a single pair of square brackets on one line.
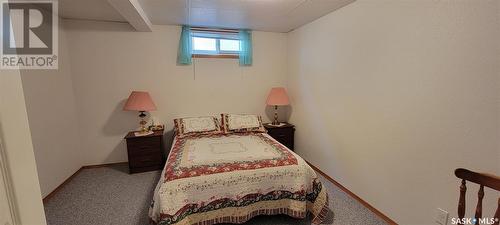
[(132, 11)]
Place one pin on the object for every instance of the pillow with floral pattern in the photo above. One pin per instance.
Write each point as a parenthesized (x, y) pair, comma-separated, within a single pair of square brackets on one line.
[(188, 126), (240, 123)]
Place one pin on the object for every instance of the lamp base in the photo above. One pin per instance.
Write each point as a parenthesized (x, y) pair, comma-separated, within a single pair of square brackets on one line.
[(275, 122), (142, 122)]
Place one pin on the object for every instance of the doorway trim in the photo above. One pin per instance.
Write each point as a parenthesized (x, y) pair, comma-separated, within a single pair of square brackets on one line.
[(7, 184)]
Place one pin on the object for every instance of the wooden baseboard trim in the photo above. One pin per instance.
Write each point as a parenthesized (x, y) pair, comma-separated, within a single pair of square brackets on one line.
[(103, 165), (350, 193), (58, 188)]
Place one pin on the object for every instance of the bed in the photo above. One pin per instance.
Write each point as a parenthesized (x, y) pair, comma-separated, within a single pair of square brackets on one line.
[(230, 178)]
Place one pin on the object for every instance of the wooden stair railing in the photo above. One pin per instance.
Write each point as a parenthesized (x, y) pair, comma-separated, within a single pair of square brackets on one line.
[(484, 180)]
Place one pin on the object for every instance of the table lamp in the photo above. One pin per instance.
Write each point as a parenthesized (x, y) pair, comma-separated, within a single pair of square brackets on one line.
[(277, 97), (142, 102)]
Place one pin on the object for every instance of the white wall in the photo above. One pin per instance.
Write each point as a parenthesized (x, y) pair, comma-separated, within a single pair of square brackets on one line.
[(51, 107), (16, 141), (108, 60), (389, 97)]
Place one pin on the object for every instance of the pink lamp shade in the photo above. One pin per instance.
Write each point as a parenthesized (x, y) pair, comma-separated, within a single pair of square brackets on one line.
[(277, 96), (139, 101)]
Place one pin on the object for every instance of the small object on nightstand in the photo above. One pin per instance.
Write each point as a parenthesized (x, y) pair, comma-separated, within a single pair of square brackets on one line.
[(141, 133), (283, 134), (145, 153), (156, 127)]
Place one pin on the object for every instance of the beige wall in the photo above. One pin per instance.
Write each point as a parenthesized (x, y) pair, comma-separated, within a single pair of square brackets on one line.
[(108, 60), (389, 97), (51, 108), (16, 141)]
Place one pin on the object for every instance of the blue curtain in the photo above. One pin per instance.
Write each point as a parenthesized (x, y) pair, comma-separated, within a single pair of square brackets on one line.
[(245, 47), (185, 47)]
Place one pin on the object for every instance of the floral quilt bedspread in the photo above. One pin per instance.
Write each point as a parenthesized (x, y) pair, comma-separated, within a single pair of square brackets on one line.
[(232, 178)]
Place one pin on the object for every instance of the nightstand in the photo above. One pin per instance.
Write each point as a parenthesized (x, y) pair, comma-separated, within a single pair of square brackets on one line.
[(145, 153), (283, 134)]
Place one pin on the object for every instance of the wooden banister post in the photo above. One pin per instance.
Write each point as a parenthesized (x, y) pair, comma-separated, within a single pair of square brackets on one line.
[(461, 201), (479, 206)]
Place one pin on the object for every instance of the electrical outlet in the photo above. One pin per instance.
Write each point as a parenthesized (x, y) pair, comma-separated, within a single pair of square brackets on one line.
[(441, 216)]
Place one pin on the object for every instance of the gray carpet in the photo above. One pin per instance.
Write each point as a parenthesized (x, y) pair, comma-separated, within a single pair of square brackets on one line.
[(109, 195)]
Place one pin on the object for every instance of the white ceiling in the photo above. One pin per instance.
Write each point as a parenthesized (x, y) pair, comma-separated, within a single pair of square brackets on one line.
[(264, 15), (88, 10)]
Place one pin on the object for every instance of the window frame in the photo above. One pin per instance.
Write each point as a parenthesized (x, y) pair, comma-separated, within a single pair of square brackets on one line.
[(217, 34)]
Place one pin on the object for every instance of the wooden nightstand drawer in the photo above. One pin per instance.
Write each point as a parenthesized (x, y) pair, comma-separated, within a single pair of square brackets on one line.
[(286, 141), (146, 160), (146, 146), (283, 134), (145, 153), (144, 150), (145, 142), (280, 133)]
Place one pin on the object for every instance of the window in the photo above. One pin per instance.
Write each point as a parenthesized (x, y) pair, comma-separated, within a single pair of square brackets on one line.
[(215, 43)]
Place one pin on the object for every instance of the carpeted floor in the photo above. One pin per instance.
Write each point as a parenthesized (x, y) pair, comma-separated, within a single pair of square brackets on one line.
[(109, 195)]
